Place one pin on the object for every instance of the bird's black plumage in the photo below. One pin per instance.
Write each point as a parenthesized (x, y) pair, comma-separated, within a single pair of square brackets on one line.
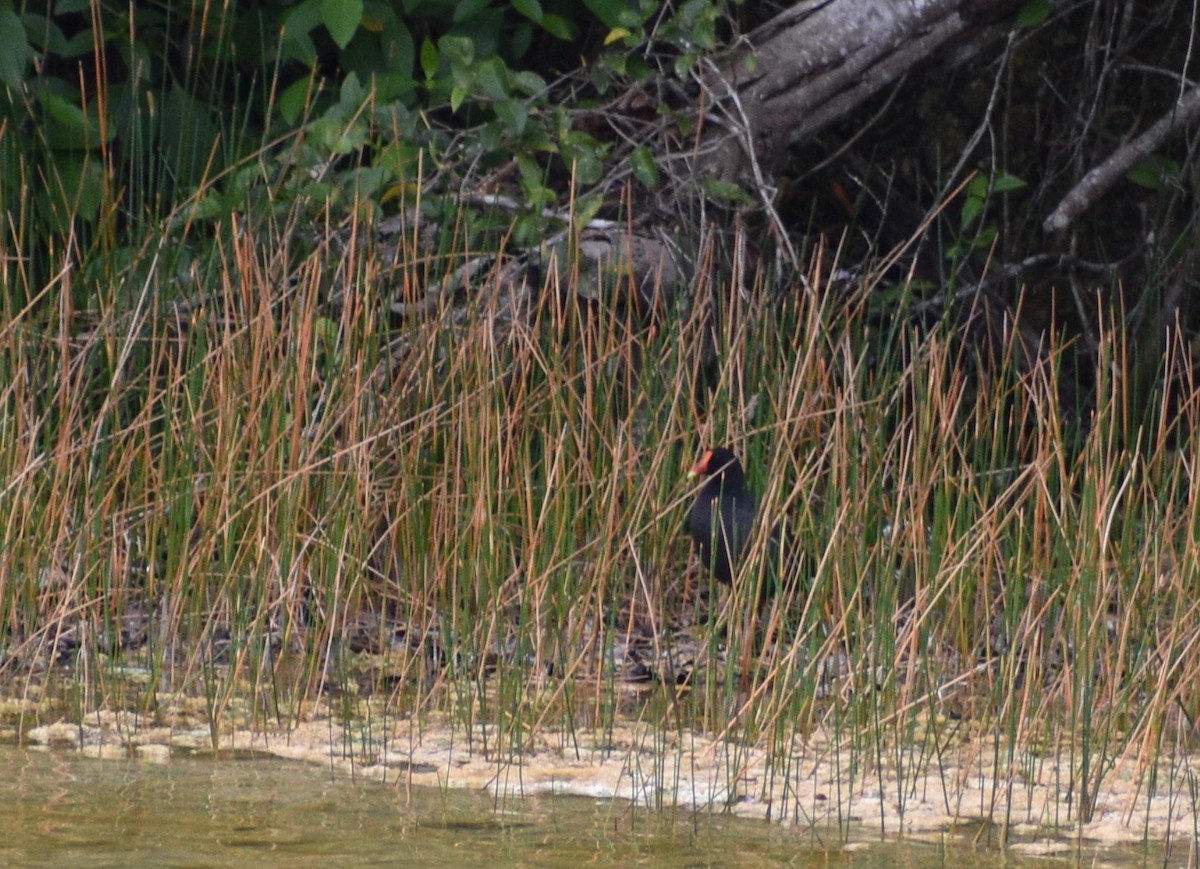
[(722, 518)]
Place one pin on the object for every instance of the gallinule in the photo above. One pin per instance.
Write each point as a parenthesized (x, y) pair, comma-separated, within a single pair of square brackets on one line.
[(722, 518)]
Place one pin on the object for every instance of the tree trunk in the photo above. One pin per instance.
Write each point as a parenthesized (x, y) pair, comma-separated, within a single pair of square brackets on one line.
[(817, 62)]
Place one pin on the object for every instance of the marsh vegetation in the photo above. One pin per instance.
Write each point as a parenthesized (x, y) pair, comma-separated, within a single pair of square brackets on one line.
[(349, 420)]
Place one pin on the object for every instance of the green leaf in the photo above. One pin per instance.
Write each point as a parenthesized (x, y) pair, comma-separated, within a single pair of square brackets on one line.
[(76, 189), (1148, 174), (588, 168), (586, 207), (491, 79), (1033, 13), (533, 184), (977, 188), (531, 9), (457, 49), (366, 181), (458, 95), (514, 115), (71, 126), (725, 191), (1005, 183), (333, 135), (297, 25), (644, 167), (684, 64), (468, 9), (527, 230), (15, 53), (531, 173), (209, 207), (293, 100), (522, 38), (429, 58), (608, 11), (400, 50), (529, 82), (353, 94), (78, 45), (558, 27), (489, 136), (326, 332), (537, 138), (400, 158), (562, 122), (610, 65), (341, 18), (971, 210)]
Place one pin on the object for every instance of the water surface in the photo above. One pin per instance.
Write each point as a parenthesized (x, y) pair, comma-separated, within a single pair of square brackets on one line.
[(60, 808)]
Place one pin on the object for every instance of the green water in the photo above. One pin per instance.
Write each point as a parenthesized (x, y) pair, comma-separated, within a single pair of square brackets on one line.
[(63, 809)]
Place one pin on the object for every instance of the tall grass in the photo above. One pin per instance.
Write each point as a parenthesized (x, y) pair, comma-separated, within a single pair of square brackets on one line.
[(494, 508)]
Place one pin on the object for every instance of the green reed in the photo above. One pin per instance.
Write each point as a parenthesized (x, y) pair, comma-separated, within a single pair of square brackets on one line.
[(497, 506)]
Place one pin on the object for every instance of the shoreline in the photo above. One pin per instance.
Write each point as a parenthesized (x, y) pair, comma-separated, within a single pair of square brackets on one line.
[(817, 785)]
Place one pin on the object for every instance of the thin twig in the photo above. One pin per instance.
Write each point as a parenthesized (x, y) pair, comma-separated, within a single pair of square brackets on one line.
[(1097, 182)]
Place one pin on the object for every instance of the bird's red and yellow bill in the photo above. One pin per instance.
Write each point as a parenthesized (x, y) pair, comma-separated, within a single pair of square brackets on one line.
[(701, 466)]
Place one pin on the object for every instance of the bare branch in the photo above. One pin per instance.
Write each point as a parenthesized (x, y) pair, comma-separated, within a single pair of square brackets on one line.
[(1102, 177)]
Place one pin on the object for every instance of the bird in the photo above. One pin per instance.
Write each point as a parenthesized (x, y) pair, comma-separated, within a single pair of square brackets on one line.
[(722, 517)]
